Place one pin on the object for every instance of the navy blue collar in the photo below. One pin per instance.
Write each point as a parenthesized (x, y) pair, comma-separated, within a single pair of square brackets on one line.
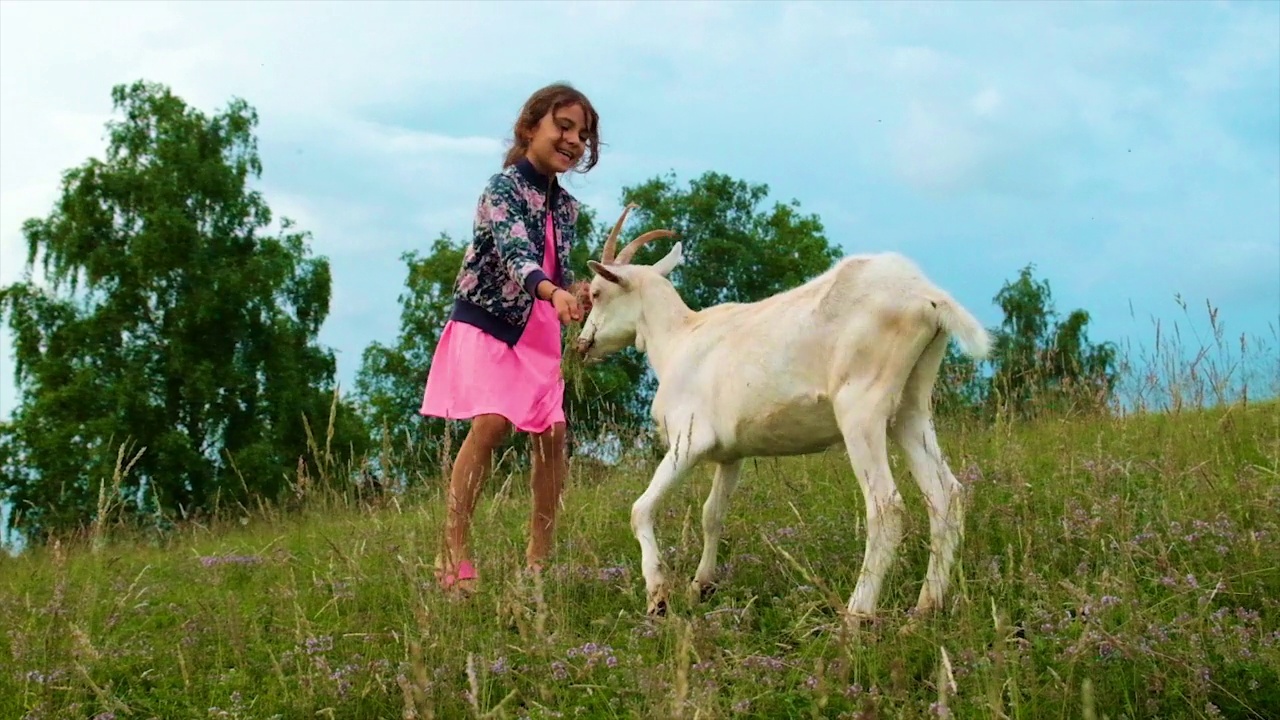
[(530, 173)]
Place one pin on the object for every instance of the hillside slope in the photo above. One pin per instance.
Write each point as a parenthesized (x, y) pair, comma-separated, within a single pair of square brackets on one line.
[(1129, 566)]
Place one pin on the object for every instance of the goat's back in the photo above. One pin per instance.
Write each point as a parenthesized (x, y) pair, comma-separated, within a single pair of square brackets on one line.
[(766, 371), (813, 316)]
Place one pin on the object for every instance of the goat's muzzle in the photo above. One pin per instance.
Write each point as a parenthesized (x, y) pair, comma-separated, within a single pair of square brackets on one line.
[(583, 346)]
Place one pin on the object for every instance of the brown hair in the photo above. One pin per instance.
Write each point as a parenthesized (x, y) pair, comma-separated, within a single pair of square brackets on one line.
[(550, 99)]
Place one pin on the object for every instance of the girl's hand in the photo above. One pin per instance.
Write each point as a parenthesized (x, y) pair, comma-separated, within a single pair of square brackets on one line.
[(566, 306)]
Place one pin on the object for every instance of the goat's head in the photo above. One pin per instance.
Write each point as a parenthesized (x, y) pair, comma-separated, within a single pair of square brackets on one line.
[(610, 325)]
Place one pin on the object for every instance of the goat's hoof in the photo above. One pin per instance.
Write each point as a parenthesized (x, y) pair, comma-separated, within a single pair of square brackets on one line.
[(658, 608), (910, 627), (853, 621), (927, 606), (705, 590)]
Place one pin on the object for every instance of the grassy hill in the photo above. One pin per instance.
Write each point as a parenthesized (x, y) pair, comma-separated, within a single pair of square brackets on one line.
[(1121, 568)]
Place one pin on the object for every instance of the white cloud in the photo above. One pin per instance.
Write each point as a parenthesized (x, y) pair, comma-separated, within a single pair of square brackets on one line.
[(919, 64), (1250, 46), (987, 102), (297, 208), (936, 149), (390, 140)]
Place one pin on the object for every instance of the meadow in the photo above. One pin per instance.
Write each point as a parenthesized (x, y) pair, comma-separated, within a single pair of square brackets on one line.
[(1122, 565)]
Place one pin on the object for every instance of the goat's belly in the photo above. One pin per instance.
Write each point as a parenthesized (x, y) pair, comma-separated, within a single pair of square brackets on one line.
[(798, 429)]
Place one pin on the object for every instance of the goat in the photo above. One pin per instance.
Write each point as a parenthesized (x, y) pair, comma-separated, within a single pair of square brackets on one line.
[(851, 355)]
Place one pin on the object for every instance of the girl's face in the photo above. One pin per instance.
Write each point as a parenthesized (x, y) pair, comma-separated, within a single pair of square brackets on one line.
[(559, 140)]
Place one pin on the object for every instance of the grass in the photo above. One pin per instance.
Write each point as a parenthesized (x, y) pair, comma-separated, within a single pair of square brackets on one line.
[(1118, 567)]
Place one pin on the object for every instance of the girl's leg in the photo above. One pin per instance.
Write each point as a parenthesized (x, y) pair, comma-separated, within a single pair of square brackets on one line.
[(550, 468), (469, 471)]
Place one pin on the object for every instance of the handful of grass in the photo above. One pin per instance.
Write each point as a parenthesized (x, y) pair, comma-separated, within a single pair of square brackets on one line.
[(572, 365)]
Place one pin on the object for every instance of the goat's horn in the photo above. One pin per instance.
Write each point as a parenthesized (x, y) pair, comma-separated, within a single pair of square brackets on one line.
[(611, 242), (629, 251)]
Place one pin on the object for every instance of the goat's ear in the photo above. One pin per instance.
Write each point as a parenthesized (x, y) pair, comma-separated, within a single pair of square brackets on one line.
[(604, 272), (673, 258)]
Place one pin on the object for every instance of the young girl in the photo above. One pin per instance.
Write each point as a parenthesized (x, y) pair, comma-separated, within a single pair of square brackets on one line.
[(498, 359)]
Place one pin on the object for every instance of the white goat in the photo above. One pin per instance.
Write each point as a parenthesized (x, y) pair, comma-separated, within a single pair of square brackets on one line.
[(850, 355)]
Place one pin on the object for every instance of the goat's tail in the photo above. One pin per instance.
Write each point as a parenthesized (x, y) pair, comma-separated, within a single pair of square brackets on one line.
[(974, 339)]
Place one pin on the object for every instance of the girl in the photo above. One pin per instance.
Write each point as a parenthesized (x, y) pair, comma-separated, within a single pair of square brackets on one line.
[(498, 359)]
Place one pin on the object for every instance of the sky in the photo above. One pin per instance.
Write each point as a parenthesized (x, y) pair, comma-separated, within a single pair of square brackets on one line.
[(1130, 150)]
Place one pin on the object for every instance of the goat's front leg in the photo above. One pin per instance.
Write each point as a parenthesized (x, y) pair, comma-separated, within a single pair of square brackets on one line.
[(713, 512), (673, 467)]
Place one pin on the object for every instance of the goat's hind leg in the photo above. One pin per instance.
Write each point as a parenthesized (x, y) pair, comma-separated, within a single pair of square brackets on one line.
[(913, 431), (862, 413), (713, 513)]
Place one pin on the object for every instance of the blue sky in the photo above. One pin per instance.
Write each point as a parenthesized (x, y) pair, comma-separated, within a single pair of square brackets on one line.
[(1130, 150)]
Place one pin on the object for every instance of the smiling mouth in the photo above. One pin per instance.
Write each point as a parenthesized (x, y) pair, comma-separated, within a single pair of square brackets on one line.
[(567, 155)]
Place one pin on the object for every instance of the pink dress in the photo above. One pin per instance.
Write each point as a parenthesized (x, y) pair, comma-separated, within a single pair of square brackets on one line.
[(473, 373)]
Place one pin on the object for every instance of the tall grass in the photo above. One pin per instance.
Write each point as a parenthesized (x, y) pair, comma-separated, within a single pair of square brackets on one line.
[(1186, 368), (1115, 565)]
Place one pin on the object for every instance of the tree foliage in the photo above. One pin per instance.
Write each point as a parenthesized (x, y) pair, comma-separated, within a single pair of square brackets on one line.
[(1038, 364), (1042, 363), (735, 250), (171, 322), (391, 379)]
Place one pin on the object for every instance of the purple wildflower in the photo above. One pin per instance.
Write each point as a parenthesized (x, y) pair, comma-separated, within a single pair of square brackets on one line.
[(610, 574), (339, 677), (319, 645), (764, 661), (594, 654), (41, 678)]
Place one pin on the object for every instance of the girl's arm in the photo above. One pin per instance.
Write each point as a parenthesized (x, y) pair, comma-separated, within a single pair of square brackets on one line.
[(503, 213)]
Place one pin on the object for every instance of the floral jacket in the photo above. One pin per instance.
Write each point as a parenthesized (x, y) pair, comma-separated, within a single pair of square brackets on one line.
[(502, 266)]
